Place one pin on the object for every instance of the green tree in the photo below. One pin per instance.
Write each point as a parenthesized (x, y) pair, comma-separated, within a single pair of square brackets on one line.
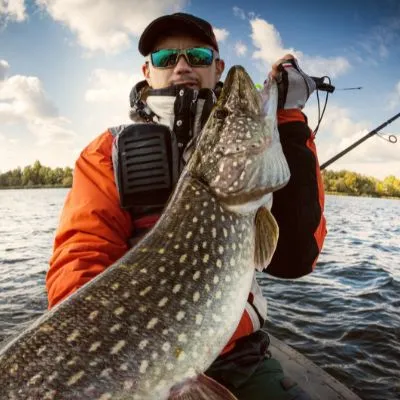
[(15, 177), (36, 172), (58, 176), (67, 181), (340, 186), (366, 185), (68, 173), (350, 181), (36, 175), (391, 186), (334, 181), (27, 176), (45, 176)]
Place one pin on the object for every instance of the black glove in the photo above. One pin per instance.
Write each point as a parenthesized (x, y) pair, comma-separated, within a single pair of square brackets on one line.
[(294, 86)]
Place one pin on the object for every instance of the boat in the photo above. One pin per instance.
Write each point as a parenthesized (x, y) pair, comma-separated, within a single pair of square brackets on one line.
[(312, 379)]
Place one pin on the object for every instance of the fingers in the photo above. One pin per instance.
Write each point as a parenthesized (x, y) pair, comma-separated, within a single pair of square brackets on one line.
[(275, 67)]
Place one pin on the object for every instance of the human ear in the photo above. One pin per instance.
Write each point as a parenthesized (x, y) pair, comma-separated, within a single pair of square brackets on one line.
[(220, 66), (146, 72)]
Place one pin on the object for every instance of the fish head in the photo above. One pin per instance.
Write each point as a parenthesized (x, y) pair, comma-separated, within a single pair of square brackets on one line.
[(238, 153)]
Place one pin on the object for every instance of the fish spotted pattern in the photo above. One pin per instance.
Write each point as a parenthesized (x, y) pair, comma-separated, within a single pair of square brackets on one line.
[(161, 314)]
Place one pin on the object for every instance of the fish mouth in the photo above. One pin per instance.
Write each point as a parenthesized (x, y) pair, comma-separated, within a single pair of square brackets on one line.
[(240, 84), (252, 196)]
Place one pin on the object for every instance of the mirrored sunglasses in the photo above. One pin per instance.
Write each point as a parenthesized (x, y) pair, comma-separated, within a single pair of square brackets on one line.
[(195, 56)]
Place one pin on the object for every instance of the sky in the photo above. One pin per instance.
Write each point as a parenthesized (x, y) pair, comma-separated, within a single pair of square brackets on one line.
[(67, 67)]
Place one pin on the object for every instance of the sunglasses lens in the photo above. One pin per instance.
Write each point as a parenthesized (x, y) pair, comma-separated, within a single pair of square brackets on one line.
[(164, 58), (200, 56), (197, 57)]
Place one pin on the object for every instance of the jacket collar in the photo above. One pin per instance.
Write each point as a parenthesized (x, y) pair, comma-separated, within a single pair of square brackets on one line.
[(183, 110), (140, 111)]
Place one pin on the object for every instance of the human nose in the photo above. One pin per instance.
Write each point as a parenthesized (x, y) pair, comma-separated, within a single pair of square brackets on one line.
[(182, 65)]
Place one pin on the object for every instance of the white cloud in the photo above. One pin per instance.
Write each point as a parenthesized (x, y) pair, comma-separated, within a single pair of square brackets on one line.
[(375, 157), (378, 42), (52, 130), (338, 131), (270, 49), (12, 10), (108, 25), (110, 86), (22, 98), (3, 69), (268, 41), (220, 34), (337, 121), (17, 150), (240, 48), (107, 96), (24, 102), (320, 66), (238, 12)]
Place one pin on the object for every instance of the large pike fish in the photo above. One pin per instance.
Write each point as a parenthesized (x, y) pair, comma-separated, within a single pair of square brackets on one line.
[(153, 322)]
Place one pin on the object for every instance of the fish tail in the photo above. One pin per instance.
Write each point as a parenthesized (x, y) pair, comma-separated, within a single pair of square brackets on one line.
[(200, 388)]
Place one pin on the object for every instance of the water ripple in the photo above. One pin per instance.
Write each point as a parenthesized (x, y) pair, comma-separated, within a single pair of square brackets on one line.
[(345, 316)]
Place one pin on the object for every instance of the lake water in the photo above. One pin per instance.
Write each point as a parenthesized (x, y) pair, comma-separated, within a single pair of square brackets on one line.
[(345, 316)]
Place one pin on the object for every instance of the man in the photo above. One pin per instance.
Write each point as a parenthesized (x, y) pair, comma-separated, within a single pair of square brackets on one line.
[(101, 218)]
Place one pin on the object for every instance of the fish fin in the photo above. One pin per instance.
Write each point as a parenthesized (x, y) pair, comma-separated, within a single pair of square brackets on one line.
[(266, 238), (200, 388)]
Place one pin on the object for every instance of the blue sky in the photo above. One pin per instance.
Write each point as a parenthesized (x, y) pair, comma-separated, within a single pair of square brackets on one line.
[(66, 69)]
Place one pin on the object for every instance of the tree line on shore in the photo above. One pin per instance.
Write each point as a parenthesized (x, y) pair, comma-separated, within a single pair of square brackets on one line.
[(344, 182), (36, 175), (352, 183)]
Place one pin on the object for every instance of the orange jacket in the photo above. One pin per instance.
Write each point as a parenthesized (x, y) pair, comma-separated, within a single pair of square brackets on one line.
[(94, 231)]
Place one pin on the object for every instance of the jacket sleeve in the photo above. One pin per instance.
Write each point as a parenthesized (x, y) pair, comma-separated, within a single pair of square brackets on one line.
[(93, 231), (298, 207)]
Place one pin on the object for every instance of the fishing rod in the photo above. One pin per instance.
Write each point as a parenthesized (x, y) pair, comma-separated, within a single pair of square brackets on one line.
[(351, 88), (392, 139), (327, 87)]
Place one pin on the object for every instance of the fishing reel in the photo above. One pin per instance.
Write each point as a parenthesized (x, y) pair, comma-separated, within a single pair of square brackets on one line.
[(323, 87), (323, 84)]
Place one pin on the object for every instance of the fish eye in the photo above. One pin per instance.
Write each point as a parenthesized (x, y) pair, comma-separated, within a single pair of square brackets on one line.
[(221, 113)]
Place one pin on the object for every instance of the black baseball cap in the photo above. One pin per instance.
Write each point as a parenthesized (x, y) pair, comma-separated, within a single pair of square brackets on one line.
[(186, 23)]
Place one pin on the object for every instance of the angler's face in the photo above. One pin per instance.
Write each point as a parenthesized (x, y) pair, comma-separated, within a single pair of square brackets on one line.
[(183, 72)]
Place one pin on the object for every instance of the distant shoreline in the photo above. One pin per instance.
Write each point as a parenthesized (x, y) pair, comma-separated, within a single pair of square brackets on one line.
[(35, 187), (361, 195), (68, 187)]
